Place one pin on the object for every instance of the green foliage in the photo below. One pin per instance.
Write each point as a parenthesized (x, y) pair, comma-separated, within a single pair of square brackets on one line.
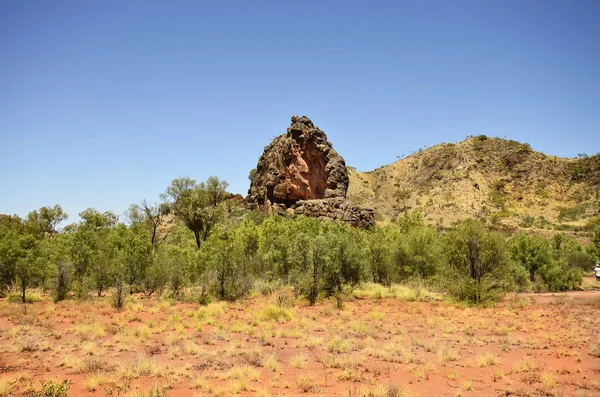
[(52, 388), (594, 247), (528, 221), (198, 206), (530, 252), (410, 219), (477, 270), (223, 257), (418, 254), (581, 260), (16, 296), (118, 296), (232, 253), (14, 246), (552, 265), (62, 287), (402, 195), (379, 254), (498, 198), (558, 276), (252, 174), (571, 214)]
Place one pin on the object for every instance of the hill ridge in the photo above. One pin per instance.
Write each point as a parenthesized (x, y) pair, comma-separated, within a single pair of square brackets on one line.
[(503, 181)]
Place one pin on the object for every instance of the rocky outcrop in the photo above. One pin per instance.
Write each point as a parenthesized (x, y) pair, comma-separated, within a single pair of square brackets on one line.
[(301, 170), (299, 165), (338, 209)]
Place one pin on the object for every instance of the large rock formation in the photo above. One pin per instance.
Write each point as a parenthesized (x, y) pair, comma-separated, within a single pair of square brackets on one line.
[(301, 171)]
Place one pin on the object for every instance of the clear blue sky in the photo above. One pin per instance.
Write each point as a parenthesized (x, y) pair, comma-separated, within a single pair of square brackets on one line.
[(103, 103)]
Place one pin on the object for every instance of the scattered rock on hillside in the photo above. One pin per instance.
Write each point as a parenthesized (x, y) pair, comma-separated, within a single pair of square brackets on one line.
[(337, 208), (300, 167)]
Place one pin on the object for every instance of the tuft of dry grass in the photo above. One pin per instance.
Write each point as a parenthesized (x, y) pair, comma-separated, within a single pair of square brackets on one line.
[(139, 366), (299, 361), (305, 382), (7, 384), (446, 354), (95, 381), (487, 360), (271, 363), (339, 345), (525, 365), (275, 313)]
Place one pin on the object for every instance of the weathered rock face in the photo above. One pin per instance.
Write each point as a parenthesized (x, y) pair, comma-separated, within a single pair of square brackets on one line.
[(337, 208), (299, 167)]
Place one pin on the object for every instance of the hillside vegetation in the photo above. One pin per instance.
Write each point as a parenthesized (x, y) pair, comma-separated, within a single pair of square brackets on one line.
[(503, 182)]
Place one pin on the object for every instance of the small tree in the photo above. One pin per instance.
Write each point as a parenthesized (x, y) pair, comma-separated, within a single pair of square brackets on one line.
[(225, 255), (197, 205), (401, 196), (422, 252), (477, 269), (62, 281), (28, 267), (379, 255), (151, 217)]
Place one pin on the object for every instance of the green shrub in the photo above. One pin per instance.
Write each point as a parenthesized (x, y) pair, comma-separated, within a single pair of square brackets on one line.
[(118, 295), (571, 214), (52, 388), (581, 260), (558, 276), (477, 269)]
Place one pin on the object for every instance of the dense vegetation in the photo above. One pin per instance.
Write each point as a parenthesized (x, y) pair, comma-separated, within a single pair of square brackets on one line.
[(200, 244)]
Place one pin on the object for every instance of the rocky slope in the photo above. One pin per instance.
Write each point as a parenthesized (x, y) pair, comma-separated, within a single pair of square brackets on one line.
[(504, 182)]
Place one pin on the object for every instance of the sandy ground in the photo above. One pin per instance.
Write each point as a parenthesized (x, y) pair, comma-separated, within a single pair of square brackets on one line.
[(529, 345)]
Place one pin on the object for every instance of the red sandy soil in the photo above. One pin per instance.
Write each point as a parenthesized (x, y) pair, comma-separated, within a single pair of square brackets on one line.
[(528, 345)]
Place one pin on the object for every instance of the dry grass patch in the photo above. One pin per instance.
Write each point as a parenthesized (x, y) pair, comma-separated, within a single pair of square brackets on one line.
[(299, 361), (525, 365), (95, 381), (7, 384), (271, 363), (339, 345), (446, 354), (87, 332), (305, 382), (139, 366), (275, 313), (487, 360), (244, 372)]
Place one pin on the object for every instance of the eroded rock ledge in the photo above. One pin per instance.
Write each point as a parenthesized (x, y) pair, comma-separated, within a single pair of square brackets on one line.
[(300, 172), (337, 208)]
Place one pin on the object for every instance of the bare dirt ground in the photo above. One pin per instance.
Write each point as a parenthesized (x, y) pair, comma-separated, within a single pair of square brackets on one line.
[(528, 345)]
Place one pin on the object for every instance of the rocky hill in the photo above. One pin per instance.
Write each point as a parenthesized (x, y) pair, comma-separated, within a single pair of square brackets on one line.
[(502, 181)]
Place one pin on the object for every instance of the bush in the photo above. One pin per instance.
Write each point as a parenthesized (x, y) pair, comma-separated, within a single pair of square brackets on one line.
[(571, 214), (118, 296), (62, 282), (477, 270), (51, 388), (581, 260), (558, 276)]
